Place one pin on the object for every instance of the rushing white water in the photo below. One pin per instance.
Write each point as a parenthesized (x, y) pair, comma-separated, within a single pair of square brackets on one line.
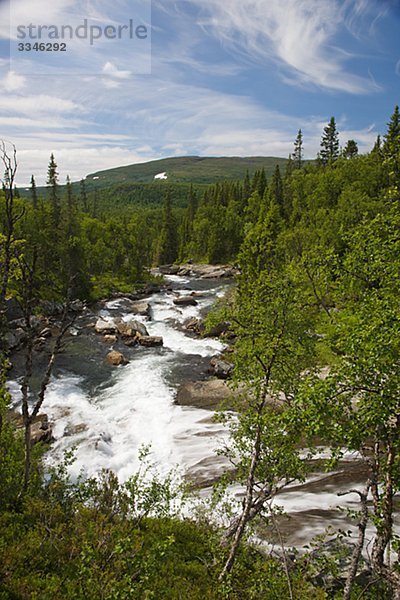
[(108, 426)]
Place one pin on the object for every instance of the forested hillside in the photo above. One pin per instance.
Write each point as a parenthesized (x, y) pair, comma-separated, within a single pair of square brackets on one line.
[(316, 327)]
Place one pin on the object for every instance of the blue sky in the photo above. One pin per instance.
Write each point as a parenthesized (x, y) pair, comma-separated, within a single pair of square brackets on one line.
[(233, 77)]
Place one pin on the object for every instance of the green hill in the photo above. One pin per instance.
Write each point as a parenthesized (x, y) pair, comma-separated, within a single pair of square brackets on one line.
[(186, 169)]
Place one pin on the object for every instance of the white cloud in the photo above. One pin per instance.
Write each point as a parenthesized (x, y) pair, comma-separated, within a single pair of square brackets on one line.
[(33, 105), (297, 33), (13, 82), (112, 71)]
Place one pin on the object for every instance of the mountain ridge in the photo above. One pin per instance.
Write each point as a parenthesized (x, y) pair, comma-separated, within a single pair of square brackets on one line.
[(186, 169)]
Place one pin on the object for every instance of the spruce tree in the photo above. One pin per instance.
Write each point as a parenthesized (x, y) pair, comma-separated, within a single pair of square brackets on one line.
[(297, 155), (52, 182), (351, 149), (391, 153), (329, 143), (34, 193), (391, 145)]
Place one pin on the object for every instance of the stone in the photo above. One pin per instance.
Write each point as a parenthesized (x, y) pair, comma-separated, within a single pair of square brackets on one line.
[(40, 428), (221, 368), (141, 308), (77, 306), (130, 342), (150, 341), (169, 269), (105, 327), (185, 301), (116, 359), (131, 327), (110, 339), (41, 432), (195, 325), (211, 394)]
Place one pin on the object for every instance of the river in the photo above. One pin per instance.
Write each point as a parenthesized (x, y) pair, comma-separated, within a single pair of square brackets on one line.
[(107, 414)]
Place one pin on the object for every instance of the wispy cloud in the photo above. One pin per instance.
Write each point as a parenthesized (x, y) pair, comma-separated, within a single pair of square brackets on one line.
[(299, 34)]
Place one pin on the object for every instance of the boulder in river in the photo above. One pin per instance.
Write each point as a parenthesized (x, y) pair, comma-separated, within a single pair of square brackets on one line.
[(195, 325), (169, 269), (40, 428), (106, 327), (212, 394), (110, 339), (149, 341), (116, 359), (185, 301), (130, 328), (41, 432), (141, 308), (221, 368)]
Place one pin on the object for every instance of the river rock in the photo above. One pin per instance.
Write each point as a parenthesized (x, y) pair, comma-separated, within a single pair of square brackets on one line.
[(210, 394), (130, 328), (106, 327), (221, 368), (35, 323), (40, 428), (205, 271), (195, 325), (169, 269), (141, 308), (77, 306), (41, 432), (185, 301), (149, 341), (116, 358), (110, 339)]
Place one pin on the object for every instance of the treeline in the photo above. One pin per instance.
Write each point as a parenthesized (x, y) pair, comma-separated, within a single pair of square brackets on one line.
[(89, 242)]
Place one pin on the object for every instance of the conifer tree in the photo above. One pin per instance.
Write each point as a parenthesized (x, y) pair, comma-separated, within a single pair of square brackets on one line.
[(391, 145), (262, 183), (391, 153), (34, 193), (351, 149), (52, 182), (297, 155), (329, 143)]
